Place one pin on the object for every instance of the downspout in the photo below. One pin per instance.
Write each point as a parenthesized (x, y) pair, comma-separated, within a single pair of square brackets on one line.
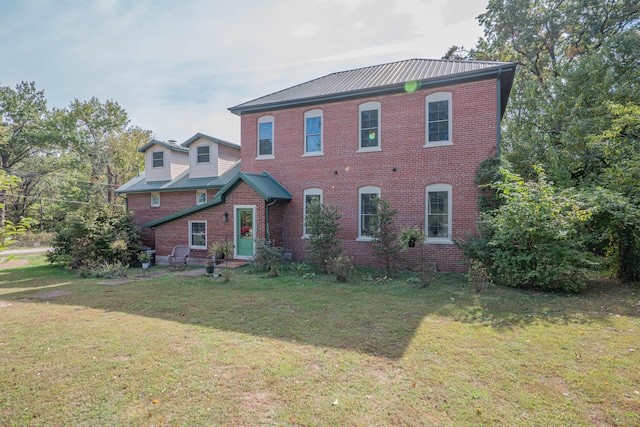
[(499, 106), (266, 218)]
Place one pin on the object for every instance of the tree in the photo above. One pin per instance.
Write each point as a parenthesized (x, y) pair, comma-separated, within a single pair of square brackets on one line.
[(323, 225), (101, 137), (384, 233), (9, 229)]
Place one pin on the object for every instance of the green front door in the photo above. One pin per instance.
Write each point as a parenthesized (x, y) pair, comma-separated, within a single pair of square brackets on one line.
[(244, 231)]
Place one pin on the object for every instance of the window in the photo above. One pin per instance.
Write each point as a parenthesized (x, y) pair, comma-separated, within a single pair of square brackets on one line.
[(313, 132), (201, 196), (158, 159), (198, 234), (155, 200), (438, 107), (203, 154), (369, 136), (310, 195), (438, 213), (366, 209), (265, 137)]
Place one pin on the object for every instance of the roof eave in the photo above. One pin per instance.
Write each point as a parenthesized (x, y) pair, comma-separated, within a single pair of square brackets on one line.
[(502, 69)]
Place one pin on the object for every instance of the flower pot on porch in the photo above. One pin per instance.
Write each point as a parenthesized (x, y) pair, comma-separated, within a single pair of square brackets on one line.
[(210, 268), (146, 265), (412, 243)]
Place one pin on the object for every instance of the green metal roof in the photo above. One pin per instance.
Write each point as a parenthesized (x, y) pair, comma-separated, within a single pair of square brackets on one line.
[(264, 184), (199, 135), (164, 144), (181, 182)]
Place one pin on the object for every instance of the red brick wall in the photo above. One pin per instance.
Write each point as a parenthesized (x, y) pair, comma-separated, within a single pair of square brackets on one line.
[(341, 171), (170, 202), (176, 232)]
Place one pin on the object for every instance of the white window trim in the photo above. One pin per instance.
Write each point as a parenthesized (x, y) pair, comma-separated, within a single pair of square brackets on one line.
[(205, 235), (155, 205), (266, 119), (361, 191), (198, 192), (153, 160), (367, 106), (439, 240), (310, 114), (434, 97), (308, 192), (198, 162)]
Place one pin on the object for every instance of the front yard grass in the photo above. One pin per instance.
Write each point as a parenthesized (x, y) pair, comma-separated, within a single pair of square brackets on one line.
[(289, 351)]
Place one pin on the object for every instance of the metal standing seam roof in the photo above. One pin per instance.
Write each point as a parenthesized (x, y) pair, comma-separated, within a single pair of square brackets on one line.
[(199, 135), (379, 79), (165, 144), (181, 182), (264, 184)]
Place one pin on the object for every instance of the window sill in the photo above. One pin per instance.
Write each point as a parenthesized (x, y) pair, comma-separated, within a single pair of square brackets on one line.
[(199, 248), (313, 154), (369, 150), (364, 239), (438, 241), (270, 157), (437, 144)]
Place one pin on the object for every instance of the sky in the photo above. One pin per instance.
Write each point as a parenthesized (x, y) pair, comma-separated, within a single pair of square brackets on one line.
[(177, 66)]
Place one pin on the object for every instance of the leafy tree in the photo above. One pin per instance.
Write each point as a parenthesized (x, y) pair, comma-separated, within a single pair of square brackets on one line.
[(96, 233), (323, 225), (9, 229), (385, 233)]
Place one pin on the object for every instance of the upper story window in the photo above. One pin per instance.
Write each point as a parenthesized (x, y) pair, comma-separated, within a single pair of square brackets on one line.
[(438, 129), (265, 137), (201, 197), (155, 200), (313, 132), (310, 195), (369, 121), (367, 207), (158, 159), (438, 211), (203, 154)]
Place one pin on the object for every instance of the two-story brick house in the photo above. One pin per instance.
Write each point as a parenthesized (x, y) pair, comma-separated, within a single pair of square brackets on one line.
[(411, 132)]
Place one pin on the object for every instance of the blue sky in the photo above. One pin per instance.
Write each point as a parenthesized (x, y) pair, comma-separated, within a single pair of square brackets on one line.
[(176, 66)]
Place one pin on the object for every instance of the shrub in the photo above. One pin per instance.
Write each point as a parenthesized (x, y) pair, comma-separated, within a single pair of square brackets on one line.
[(96, 234), (478, 275), (531, 239), (268, 257), (323, 224), (384, 233), (104, 270), (342, 268)]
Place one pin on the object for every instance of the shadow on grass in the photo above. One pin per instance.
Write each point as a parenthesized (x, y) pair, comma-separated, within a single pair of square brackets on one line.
[(380, 319)]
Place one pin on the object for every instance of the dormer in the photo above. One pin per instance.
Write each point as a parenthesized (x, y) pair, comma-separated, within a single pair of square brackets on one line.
[(209, 156), (164, 161)]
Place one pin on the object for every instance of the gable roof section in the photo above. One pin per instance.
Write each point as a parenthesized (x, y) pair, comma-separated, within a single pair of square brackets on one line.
[(264, 184), (164, 144), (181, 182), (199, 135), (383, 79)]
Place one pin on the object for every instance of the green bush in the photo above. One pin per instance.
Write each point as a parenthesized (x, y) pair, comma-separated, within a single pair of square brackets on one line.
[(531, 239), (104, 270), (96, 234), (341, 267), (323, 224), (268, 257)]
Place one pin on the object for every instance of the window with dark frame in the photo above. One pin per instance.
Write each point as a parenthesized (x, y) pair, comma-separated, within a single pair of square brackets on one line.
[(203, 154), (158, 159)]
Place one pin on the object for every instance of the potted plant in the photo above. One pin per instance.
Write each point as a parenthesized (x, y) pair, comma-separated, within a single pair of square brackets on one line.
[(145, 259), (221, 250), (409, 235), (210, 266)]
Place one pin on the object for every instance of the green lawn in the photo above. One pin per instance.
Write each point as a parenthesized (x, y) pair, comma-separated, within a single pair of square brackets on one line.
[(312, 352)]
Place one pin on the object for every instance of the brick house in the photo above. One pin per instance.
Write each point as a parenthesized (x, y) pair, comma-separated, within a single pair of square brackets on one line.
[(411, 132)]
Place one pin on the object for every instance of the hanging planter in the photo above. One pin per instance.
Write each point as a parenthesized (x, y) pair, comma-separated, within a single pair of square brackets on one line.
[(409, 236)]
